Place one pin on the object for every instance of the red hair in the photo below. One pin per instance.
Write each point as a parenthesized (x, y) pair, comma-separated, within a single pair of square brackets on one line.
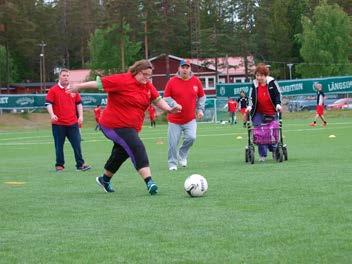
[(261, 69)]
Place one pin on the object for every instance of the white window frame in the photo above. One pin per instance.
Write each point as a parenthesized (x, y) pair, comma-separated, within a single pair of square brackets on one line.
[(206, 79)]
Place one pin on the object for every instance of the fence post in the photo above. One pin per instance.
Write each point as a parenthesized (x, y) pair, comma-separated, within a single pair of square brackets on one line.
[(215, 111)]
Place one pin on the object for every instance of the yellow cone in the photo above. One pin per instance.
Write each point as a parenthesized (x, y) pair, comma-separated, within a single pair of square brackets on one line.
[(14, 183), (332, 136), (238, 137)]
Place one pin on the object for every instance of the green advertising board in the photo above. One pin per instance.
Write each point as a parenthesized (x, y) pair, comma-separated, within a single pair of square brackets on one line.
[(30, 101), (292, 87)]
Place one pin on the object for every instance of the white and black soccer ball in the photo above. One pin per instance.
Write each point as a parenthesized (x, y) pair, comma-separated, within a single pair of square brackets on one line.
[(196, 185)]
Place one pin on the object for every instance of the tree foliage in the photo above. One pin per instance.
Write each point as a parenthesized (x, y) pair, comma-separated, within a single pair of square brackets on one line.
[(266, 29), (326, 42), (105, 53), (8, 71)]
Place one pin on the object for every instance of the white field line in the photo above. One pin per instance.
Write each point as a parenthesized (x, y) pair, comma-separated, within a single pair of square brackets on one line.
[(16, 143)]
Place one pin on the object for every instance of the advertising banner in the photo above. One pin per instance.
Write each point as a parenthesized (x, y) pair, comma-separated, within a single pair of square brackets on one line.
[(292, 87)]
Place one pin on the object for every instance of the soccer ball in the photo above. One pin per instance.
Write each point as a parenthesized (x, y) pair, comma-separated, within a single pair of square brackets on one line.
[(196, 185)]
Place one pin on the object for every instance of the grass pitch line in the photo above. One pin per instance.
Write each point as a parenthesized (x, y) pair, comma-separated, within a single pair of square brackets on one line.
[(15, 143)]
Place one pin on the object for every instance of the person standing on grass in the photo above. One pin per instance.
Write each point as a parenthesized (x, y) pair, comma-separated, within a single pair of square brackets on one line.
[(265, 101), (320, 105), (151, 111), (243, 103), (66, 114), (129, 96), (232, 108), (187, 90)]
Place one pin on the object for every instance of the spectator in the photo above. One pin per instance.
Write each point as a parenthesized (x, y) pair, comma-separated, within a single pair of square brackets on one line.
[(66, 114)]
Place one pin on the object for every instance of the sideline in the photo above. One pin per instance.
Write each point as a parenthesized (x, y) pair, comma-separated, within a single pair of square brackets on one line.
[(15, 143)]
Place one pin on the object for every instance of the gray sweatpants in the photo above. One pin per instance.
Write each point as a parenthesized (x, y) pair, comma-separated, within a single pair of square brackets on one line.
[(175, 131)]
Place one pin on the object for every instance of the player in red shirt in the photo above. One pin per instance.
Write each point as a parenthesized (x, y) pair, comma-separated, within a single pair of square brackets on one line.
[(151, 111), (232, 108), (66, 114), (129, 96), (265, 102), (187, 90), (97, 114), (243, 103)]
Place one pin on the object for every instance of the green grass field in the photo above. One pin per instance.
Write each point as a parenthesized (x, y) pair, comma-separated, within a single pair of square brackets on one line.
[(299, 211)]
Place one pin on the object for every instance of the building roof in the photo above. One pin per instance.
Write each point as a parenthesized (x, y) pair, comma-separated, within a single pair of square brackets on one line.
[(235, 64), (78, 76)]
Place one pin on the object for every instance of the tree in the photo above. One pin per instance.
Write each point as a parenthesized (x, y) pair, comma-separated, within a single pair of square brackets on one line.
[(8, 71), (272, 35), (326, 42), (105, 54)]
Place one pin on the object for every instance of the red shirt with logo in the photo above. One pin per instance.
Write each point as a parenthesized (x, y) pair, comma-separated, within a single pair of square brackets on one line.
[(231, 106), (127, 101), (64, 105), (264, 104), (185, 93)]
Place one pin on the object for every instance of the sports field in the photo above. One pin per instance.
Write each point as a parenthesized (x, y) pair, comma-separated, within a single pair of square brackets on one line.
[(299, 211)]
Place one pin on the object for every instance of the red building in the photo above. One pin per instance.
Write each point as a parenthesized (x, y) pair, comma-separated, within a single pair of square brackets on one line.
[(230, 69), (76, 76)]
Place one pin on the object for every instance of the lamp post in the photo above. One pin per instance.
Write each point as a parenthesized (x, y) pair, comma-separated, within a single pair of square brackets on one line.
[(42, 67), (41, 71), (289, 65)]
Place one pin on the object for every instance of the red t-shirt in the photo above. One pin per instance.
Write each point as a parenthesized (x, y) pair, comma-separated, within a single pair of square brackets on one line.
[(64, 105), (127, 101), (231, 106), (151, 111), (264, 104), (185, 93), (97, 113)]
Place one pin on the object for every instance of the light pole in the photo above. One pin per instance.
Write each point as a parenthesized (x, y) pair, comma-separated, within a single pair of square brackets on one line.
[(42, 67), (289, 65), (41, 71)]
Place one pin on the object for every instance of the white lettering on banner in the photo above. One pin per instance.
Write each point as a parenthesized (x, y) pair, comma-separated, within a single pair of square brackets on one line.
[(104, 101), (292, 87), (25, 101), (222, 90), (339, 86), (4, 100), (239, 89), (88, 100)]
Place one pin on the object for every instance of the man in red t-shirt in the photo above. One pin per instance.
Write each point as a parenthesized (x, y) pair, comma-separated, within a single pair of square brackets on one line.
[(97, 114), (187, 90), (232, 108), (129, 96), (63, 108)]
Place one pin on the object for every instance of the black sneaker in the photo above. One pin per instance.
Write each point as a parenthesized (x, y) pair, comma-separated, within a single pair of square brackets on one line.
[(107, 187), (84, 167), (152, 188)]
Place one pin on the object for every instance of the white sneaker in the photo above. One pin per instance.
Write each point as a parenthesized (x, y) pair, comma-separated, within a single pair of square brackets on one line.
[(261, 159), (173, 168), (183, 162)]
